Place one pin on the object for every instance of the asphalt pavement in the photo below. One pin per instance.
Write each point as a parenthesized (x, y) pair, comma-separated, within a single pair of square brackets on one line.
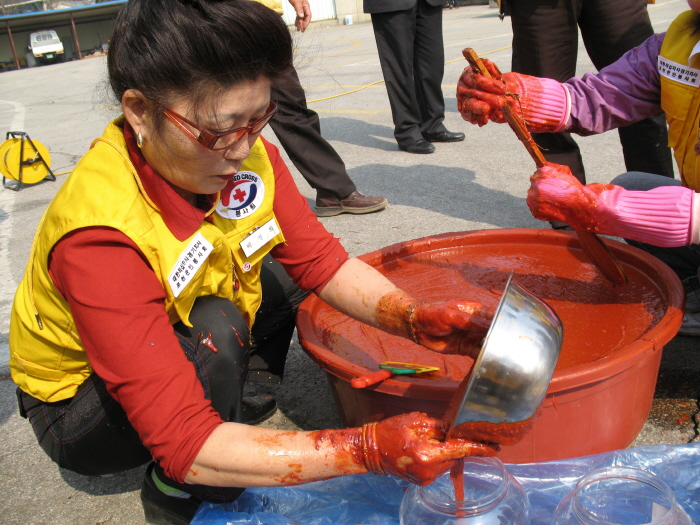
[(480, 183)]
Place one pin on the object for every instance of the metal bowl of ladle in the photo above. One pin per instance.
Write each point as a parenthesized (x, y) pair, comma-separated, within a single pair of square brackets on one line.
[(501, 397)]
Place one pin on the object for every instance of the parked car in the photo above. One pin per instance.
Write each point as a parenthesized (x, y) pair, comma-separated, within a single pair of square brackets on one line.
[(44, 48)]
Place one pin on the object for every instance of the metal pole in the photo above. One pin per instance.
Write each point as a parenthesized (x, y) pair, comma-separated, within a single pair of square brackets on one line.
[(12, 44), (74, 34)]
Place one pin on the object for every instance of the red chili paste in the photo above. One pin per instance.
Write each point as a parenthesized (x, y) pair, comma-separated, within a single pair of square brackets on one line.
[(457, 478), (599, 318), (503, 433)]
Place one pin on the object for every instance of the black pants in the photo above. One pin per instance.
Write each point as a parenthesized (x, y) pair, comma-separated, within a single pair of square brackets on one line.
[(90, 433), (299, 131), (545, 44), (412, 57)]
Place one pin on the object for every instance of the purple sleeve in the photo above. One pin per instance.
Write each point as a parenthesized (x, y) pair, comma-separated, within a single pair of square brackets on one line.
[(624, 92)]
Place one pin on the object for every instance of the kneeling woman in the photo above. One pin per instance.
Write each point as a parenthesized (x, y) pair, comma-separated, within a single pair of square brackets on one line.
[(168, 269)]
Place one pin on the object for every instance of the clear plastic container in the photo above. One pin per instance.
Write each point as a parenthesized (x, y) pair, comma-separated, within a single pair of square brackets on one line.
[(491, 497), (620, 496)]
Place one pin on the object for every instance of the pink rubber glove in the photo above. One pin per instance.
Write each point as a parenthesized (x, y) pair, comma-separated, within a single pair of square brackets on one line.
[(544, 103), (664, 216)]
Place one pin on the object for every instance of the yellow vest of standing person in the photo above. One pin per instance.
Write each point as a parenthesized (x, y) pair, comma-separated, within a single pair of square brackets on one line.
[(680, 96), (275, 5), (223, 258)]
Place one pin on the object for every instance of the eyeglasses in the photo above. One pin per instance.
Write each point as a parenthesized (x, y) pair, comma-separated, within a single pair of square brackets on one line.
[(217, 141)]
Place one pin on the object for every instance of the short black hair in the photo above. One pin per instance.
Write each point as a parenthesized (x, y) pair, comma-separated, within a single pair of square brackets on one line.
[(195, 48)]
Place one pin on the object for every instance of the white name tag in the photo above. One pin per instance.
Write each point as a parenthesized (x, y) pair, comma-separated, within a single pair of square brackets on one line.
[(190, 260), (259, 237), (678, 72)]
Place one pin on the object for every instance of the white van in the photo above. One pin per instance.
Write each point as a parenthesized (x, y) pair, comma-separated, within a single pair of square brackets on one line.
[(44, 47)]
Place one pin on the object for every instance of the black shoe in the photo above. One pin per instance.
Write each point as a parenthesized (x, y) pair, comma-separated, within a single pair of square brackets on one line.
[(328, 204), (445, 136), (161, 509), (257, 409), (421, 146)]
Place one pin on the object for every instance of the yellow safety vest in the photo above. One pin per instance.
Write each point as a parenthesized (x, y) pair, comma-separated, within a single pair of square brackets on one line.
[(47, 358), (680, 96), (275, 5)]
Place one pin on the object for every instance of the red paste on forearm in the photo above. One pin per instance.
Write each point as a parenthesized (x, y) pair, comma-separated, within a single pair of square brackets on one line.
[(390, 313)]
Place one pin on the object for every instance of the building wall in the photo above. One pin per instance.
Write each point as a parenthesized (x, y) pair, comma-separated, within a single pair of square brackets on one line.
[(320, 10), (91, 36), (351, 8)]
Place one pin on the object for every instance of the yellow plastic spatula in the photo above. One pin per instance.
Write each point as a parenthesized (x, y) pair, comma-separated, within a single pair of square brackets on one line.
[(389, 368)]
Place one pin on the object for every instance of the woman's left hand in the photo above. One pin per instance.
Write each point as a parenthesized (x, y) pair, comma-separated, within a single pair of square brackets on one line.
[(449, 327), (556, 195), (413, 447)]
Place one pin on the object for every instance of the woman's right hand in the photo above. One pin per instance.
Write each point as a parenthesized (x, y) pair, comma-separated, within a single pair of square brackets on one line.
[(412, 447)]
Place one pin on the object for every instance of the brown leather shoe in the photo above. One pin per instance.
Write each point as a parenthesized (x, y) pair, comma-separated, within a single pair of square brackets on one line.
[(328, 204)]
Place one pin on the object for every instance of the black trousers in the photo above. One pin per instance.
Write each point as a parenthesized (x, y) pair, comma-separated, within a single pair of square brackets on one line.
[(299, 131), (545, 44), (90, 433), (412, 57)]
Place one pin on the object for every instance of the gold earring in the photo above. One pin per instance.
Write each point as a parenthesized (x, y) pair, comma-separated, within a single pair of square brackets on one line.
[(139, 140)]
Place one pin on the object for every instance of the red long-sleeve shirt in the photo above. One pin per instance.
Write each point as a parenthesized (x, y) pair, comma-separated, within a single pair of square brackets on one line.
[(118, 306)]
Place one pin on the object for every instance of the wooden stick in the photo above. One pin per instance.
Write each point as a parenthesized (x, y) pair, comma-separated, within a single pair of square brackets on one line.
[(514, 119), (592, 245)]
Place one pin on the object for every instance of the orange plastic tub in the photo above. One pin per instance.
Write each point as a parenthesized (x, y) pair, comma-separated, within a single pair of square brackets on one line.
[(601, 392)]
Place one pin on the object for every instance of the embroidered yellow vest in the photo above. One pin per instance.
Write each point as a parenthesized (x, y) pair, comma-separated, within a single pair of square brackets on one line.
[(680, 97), (47, 359)]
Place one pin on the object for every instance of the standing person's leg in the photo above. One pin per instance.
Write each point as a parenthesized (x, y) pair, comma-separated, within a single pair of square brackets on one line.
[(428, 72), (609, 30), (299, 131), (395, 34), (545, 44)]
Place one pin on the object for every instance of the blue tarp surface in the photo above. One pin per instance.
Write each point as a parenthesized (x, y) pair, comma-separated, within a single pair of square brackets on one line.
[(375, 500)]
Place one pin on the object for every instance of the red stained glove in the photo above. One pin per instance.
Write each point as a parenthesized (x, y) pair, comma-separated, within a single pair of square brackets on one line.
[(665, 216), (543, 103), (479, 98), (449, 327), (411, 447), (556, 195)]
